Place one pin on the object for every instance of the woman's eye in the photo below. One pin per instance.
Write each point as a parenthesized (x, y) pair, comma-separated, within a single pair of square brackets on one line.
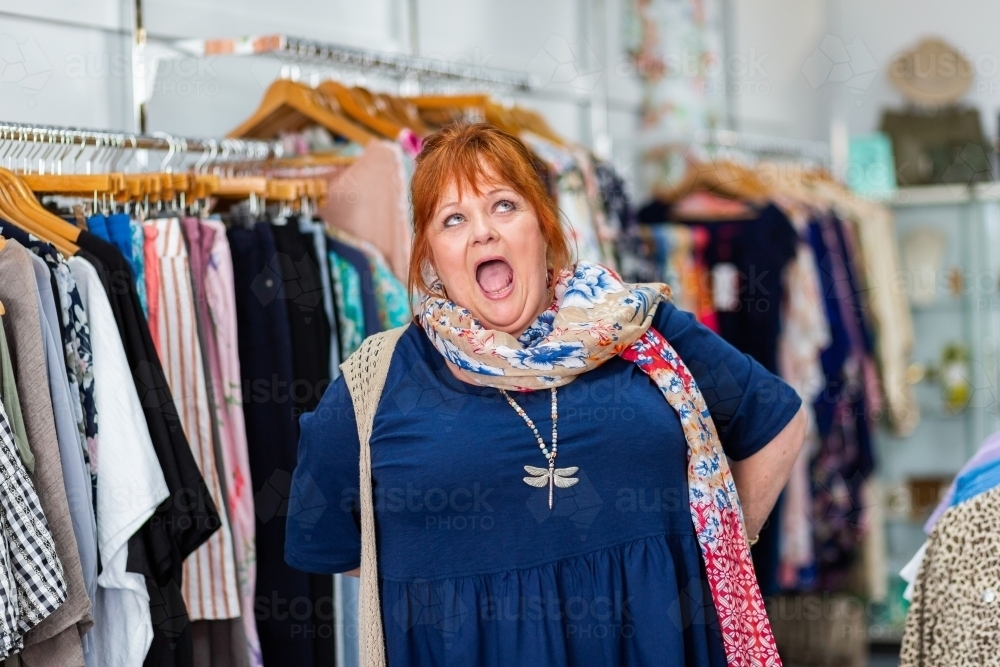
[(504, 206), (452, 220)]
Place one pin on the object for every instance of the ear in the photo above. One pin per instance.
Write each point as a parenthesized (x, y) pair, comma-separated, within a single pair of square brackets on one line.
[(431, 279)]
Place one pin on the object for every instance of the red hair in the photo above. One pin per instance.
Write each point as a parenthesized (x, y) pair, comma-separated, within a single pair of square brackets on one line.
[(467, 154)]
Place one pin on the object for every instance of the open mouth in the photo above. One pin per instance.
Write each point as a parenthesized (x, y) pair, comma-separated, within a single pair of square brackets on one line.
[(495, 277)]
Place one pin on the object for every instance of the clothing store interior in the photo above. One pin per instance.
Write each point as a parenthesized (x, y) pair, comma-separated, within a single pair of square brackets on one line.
[(211, 198)]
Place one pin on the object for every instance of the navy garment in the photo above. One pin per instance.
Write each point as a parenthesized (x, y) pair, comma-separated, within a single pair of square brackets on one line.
[(308, 326), (845, 459), (358, 259), (302, 289), (265, 349), (759, 249), (474, 568)]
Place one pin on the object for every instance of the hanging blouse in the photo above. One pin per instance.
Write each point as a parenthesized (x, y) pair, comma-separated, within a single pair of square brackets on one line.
[(138, 262), (10, 398), (209, 583), (31, 576), (390, 294), (350, 312), (75, 338), (131, 470)]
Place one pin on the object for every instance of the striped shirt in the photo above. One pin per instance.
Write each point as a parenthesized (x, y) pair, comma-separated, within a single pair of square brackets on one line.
[(210, 585)]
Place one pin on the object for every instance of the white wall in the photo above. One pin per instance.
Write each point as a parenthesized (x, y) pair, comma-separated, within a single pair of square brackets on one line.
[(770, 41), (68, 62), (63, 63), (829, 59), (887, 27)]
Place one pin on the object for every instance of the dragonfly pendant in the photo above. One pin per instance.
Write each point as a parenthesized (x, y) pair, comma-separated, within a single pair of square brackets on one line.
[(552, 476)]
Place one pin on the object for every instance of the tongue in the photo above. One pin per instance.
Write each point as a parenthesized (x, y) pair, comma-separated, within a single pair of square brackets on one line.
[(494, 275)]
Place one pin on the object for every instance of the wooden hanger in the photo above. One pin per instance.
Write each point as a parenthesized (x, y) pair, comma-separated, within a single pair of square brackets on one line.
[(74, 184), (19, 205), (408, 113), (464, 102), (722, 178), (534, 122), (440, 110), (311, 160), (241, 186), (26, 199), (289, 106), (502, 118), (350, 106)]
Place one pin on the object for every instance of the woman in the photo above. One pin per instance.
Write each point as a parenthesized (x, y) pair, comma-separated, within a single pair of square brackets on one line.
[(530, 452)]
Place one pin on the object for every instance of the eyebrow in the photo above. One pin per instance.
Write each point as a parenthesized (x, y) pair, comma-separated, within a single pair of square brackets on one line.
[(492, 192)]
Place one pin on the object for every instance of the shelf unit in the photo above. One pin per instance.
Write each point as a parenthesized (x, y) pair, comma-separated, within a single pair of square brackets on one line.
[(969, 218)]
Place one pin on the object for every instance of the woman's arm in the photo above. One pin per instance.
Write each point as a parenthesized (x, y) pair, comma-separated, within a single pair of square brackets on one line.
[(761, 477), (356, 572)]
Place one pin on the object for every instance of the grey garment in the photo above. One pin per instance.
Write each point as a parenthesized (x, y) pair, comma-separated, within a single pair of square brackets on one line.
[(318, 232), (12, 402), (56, 640), (76, 473)]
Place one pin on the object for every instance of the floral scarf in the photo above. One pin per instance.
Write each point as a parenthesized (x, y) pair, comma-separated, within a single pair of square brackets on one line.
[(596, 317)]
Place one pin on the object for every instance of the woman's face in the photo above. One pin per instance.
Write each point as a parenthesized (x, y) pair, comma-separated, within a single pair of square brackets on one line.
[(489, 253)]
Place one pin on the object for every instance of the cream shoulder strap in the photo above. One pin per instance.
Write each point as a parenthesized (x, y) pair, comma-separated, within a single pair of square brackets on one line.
[(365, 372)]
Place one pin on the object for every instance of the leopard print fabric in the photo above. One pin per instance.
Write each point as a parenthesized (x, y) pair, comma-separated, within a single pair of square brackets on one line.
[(954, 618)]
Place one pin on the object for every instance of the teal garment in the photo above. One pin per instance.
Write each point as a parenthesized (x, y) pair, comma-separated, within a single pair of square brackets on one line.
[(138, 263), (393, 301), (350, 313)]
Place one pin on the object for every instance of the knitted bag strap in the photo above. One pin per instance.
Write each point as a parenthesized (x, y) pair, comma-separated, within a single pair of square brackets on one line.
[(365, 372)]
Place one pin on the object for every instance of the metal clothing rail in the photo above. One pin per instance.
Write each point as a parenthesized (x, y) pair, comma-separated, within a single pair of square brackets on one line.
[(393, 65), (765, 145), (159, 141), (114, 147)]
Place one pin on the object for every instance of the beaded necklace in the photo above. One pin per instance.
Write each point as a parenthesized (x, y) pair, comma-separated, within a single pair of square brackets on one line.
[(551, 476)]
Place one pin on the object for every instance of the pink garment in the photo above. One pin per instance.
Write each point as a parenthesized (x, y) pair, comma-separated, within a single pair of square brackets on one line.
[(151, 268), (368, 199), (209, 585), (224, 366), (410, 142)]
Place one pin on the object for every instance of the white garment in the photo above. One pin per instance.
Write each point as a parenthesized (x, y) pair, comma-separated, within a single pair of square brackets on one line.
[(805, 333), (76, 474), (910, 571), (130, 483)]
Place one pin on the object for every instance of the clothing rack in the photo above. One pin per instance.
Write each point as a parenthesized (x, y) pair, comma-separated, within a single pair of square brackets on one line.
[(757, 144), (392, 65), (112, 147)]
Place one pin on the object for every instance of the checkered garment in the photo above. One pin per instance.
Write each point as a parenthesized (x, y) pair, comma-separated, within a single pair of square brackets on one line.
[(31, 577)]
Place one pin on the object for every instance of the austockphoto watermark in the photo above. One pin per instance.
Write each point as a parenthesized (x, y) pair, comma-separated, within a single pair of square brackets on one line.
[(826, 607), (260, 391), (581, 615), (460, 508), (102, 65), (303, 617), (696, 64)]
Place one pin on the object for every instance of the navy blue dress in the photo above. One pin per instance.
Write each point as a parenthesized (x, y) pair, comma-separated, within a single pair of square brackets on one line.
[(474, 568)]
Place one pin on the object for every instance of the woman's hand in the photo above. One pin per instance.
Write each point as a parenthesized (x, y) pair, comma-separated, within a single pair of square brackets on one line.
[(356, 572), (761, 477)]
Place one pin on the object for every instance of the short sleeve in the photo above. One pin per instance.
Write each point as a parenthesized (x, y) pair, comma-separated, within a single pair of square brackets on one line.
[(323, 532), (748, 404)]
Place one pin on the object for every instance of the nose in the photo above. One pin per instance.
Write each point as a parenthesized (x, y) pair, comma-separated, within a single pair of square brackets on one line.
[(483, 230)]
